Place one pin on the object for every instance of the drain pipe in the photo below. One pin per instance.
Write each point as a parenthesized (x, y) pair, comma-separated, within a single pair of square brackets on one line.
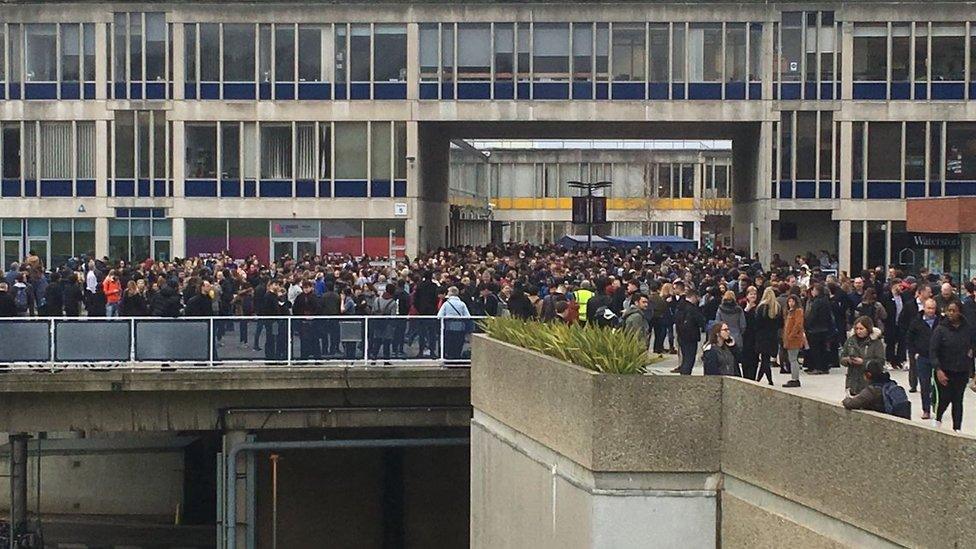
[(231, 478)]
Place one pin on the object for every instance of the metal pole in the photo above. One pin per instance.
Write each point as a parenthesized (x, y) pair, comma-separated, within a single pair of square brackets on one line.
[(589, 216), (274, 501)]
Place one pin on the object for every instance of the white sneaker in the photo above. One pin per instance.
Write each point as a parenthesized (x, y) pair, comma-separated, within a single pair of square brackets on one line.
[(936, 423)]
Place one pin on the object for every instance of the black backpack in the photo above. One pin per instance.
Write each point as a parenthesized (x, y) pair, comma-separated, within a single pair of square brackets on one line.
[(896, 401)]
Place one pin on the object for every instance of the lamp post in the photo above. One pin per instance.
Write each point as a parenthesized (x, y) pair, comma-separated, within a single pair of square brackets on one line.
[(589, 188)]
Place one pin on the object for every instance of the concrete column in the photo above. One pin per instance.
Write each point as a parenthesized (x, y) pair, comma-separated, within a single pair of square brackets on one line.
[(179, 73), (101, 236), (413, 62), (844, 245), (179, 237), (697, 234), (846, 154), (179, 169), (102, 160), (18, 482), (762, 239), (101, 54), (847, 69), (413, 186)]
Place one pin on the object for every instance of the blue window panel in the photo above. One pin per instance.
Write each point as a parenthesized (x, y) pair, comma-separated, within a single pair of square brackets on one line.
[(914, 189), (474, 90), (230, 188), (42, 91), (810, 91), (380, 188), (428, 90), (629, 90), (124, 187), (785, 189), (935, 188), (884, 189), (948, 90), (144, 188), (921, 91), (825, 189), (345, 188), (14, 90), (755, 90), (200, 188), (156, 90), (190, 91), (85, 187), (209, 90), (677, 91), (141, 213), (341, 92), (3, 92), (10, 188), (389, 90), (504, 90), (870, 90), (657, 90), (806, 189), (550, 90), (960, 188), (56, 187), (359, 90), (239, 90), (122, 212), (827, 91), (524, 90), (305, 189), (972, 90), (30, 187), (735, 90), (325, 188), (704, 91), (315, 91), (400, 188), (250, 188), (274, 188), (160, 188), (857, 189), (70, 90), (135, 90), (264, 91), (789, 91), (901, 90)]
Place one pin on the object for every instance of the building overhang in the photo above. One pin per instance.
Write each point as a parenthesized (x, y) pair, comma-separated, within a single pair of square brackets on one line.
[(950, 215)]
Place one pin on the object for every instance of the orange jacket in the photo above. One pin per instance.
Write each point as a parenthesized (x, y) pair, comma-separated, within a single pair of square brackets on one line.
[(793, 335), (113, 290)]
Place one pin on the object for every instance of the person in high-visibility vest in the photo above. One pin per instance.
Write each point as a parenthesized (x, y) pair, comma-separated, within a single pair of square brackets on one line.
[(583, 295)]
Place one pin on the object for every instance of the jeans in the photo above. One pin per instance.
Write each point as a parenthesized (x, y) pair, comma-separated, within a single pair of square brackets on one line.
[(816, 356), (794, 358), (951, 393), (924, 367), (111, 309), (912, 371), (689, 351), (660, 333)]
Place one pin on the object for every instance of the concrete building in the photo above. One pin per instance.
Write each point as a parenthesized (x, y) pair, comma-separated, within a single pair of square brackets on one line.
[(518, 190), (179, 128)]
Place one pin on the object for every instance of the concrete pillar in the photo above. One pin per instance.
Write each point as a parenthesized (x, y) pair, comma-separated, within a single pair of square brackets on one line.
[(18, 482), (179, 237), (847, 69), (178, 162), (101, 53), (844, 245), (231, 439), (179, 73), (845, 143), (697, 232), (413, 187), (101, 237), (413, 62)]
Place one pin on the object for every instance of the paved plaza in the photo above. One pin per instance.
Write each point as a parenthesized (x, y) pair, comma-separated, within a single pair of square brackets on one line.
[(831, 388)]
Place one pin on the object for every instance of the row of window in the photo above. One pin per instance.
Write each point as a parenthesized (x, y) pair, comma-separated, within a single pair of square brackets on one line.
[(47, 158), (53, 240), (630, 180)]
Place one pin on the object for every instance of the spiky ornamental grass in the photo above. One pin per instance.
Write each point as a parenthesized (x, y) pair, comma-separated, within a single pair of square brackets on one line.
[(599, 349)]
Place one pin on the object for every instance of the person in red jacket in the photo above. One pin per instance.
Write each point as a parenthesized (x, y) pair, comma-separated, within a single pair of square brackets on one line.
[(113, 293)]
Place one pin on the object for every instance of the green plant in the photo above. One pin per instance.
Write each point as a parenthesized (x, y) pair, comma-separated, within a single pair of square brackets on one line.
[(598, 349)]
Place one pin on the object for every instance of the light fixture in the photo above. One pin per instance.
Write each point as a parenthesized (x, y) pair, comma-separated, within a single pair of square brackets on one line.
[(81, 209)]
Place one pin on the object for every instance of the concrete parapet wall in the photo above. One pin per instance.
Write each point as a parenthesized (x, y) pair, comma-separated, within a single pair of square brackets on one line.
[(793, 470)]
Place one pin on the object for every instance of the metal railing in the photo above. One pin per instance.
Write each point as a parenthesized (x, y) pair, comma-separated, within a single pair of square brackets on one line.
[(222, 341)]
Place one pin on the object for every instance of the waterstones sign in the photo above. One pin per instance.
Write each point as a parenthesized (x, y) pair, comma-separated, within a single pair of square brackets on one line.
[(929, 241)]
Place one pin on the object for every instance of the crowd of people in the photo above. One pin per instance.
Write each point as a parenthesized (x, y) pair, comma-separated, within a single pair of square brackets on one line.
[(739, 316)]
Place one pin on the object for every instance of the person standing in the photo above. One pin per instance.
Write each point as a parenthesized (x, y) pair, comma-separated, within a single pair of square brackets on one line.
[(720, 355), (863, 344), (450, 312), (634, 319), (950, 352), (768, 323), (794, 337), (689, 323), (731, 314), (113, 294), (918, 339), (818, 323), (73, 296)]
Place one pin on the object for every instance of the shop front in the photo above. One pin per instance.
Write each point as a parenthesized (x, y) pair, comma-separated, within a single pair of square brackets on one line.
[(944, 230)]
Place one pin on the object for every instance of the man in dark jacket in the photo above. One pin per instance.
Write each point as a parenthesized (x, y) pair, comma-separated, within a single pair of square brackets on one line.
[(166, 302), (331, 305), (8, 309), (307, 304), (899, 308), (425, 302), (201, 304), (872, 396), (818, 324), (918, 339), (689, 323), (951, 353), (72, 295)]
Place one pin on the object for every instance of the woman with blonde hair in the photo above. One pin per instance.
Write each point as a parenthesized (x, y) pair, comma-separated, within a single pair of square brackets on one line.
[(769, 320), (731, 313)]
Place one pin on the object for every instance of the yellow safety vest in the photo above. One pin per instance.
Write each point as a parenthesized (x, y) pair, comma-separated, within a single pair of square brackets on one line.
[(582, 296)]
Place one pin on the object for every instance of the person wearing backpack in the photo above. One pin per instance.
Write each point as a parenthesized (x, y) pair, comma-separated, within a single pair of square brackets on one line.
[(7, 307), (24, 297), (880, 394), (951, 353)]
